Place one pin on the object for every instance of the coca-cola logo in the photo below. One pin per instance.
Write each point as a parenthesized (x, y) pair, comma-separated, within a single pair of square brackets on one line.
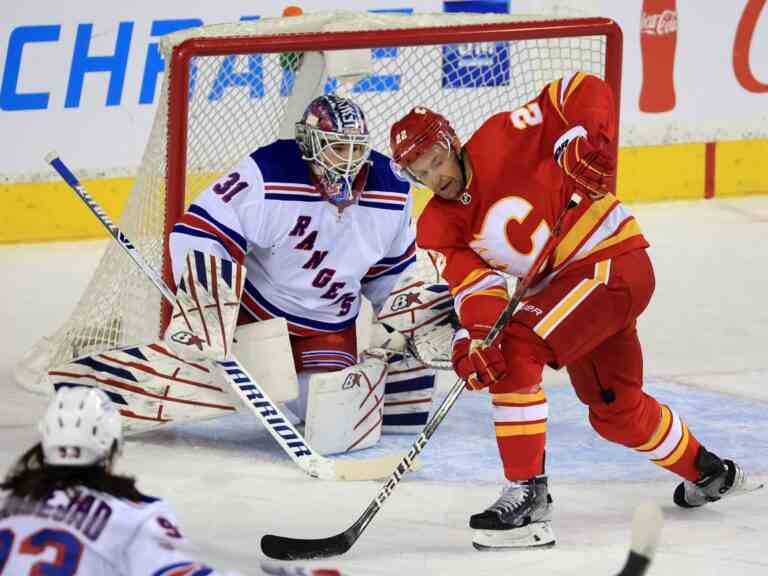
[(663, 23), (742, 47)]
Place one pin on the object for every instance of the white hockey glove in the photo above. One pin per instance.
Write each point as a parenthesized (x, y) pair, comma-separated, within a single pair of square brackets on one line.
[(207, 304)]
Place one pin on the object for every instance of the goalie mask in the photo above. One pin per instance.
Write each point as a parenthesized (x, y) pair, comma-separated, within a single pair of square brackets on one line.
[(333, 137), (80, 427)]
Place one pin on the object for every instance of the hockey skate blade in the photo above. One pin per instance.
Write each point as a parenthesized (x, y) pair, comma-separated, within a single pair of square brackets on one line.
[(534, 535), (750, 485), (372, 469)]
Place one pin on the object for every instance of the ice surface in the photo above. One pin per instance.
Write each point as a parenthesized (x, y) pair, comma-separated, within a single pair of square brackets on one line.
[(704, 335)]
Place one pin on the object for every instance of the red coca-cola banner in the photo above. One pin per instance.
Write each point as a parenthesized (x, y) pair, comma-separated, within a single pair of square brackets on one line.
[(658, 40)]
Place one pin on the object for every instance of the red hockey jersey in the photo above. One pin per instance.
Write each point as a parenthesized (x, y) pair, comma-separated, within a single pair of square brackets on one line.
[(517, 194)]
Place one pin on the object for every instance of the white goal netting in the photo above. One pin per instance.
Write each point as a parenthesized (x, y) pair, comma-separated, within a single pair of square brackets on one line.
[(229, 89)]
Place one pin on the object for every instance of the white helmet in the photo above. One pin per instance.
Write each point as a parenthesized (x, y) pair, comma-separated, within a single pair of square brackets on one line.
[(80, 427)]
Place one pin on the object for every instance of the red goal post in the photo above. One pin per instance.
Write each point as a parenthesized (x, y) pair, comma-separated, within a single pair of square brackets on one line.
[(231, 88)]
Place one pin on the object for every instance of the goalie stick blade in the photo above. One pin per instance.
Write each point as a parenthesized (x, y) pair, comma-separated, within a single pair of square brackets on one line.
[(372, 469), (646, 530), (284, 548)]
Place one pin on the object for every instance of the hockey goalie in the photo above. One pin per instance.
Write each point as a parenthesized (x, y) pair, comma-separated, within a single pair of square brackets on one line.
[(271, 263)]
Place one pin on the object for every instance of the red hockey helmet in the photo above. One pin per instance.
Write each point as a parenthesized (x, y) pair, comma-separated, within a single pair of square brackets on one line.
[(416, 132)]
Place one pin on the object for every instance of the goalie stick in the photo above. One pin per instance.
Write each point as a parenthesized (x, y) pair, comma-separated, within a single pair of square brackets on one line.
[(285, 548), (246, 389)]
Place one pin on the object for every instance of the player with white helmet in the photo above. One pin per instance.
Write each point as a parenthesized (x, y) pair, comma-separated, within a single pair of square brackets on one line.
[(319, 221), (81, 428), (63, 496)]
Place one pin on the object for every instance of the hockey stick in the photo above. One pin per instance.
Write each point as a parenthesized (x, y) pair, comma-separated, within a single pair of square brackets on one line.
[(247, 389), (646, 530), (285, 548)]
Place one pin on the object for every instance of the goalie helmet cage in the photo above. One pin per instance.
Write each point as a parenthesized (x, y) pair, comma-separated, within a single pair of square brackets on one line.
[(232, 88)]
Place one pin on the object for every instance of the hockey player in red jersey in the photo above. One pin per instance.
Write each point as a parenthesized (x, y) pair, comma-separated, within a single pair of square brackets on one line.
[(496, 201)]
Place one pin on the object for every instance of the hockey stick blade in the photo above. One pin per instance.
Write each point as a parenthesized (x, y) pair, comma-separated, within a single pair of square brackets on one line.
[(646, 530), (282, 548)]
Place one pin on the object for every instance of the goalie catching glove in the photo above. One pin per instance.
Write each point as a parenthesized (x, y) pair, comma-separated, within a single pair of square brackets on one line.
[(418, 315), (479, 366), (207, 305)]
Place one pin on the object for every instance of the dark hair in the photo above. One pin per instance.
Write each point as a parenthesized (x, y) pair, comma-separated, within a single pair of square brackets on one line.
[(32, 478)]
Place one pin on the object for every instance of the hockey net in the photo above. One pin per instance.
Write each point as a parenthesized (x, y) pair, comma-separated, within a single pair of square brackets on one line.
[(232, 88)]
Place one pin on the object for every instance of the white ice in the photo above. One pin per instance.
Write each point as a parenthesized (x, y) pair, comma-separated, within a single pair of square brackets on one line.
[(704, 335)]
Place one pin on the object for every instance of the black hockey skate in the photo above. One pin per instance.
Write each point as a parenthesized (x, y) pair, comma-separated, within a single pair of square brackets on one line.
[(719, 479), (520, 518)]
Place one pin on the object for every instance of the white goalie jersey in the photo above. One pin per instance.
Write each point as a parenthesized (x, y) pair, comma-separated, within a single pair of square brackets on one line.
[(305, 261)]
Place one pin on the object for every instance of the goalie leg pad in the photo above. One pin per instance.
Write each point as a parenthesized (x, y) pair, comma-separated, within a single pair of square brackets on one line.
[(408, 395), (264, 350), (207, 304), (149, 385), (345, 408)]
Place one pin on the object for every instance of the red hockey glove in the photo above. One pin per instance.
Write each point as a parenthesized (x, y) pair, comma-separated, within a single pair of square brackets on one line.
[(479, 366), (591, 168)]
